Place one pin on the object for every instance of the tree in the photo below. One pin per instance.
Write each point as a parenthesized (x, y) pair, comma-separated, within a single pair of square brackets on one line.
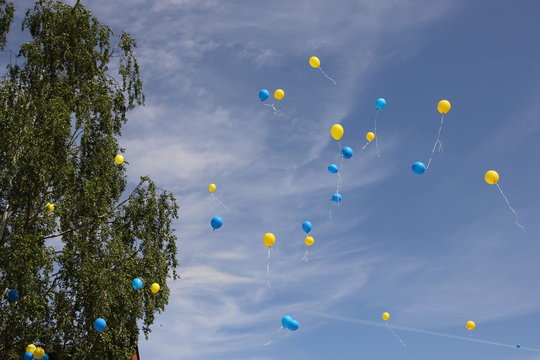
[(61, 112)]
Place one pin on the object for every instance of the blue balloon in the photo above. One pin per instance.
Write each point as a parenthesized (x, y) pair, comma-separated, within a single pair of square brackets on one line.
[(306, 226), (418, 168), (28, 356), (100, 324), (264, 94), (289, 323), (216, 222), (347, 152), (45, 357), (333, 168), (518, 345), (136, 284), (13, 295), (336, 198), (380, 104)]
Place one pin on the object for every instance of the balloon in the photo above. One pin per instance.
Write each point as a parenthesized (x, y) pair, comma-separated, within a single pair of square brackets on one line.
[(347, 152), (13, 295), (470, 325), (370, 136), (333, 168), (28, 356), (337, 198), (309, 241), (136, 284), (264, 94), (289, 323), (39, 352), (491, 177), (380, 103), (418, 168), (314, 62), (279, 94), (31, 348), (212, 188), (385, 316), (444, 106), (100, 324), (337, 131), (49, 207), (119, 159), (306, 226), (216, 222), (518, 346), (45, 357), (269, 239), (154, 288)]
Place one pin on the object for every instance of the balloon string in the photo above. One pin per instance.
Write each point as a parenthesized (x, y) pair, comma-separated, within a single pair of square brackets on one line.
[(340, 167), (338, 183), (368, 144), (376, 135), (436, 142), (276, 111), (270, 341), (392, 331), (219, 201), (328, 77), (268, 269), (512, 209), (306, 256)]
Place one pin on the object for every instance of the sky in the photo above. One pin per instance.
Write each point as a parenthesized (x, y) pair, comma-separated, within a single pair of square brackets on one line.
[(433, 250)]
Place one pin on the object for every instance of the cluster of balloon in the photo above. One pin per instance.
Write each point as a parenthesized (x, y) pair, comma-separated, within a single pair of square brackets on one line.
[(269, 240), (119, 159), (492, 178), (35, 352), (216, 222), (309, 241), (212, 189), (386, 316), (380, 103), (418, 167), (316, 64), (13, 295), (278, 95), (287, 322), (337, 132)]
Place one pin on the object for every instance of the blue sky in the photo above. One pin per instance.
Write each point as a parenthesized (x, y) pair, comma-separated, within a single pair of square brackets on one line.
[(434, 250)]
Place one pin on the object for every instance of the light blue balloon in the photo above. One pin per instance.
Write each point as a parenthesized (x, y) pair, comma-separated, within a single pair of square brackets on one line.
[(380, 104), (337, 198), (306, 226), (216, 222), (333, 169), (289, 323), (13, 295), (28, 356), (518, 345), (45, 357), (136, 284), (264, 94), (100, 324), (418, 168), (347, 152)]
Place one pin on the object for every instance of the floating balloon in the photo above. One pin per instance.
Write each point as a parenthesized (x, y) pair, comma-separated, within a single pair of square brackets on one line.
[(289, 323), (347, 152), (119, 159), (337, 132), (380, 103), (316, 63), (154, 288), (28, 356), (333, 169), (279, 94), (418, 168), (470, 325), (337, 198), (212, 188), (444, 106), (39, 353), (269, 239), (30, 348), (216, 222), (13, 295), (385, 316), (306, 226), (136, 284), (264, 94), (491, 177), (45, 357), (100, 324), (518, 346), (309, 241), (49, 207), (370, 136)]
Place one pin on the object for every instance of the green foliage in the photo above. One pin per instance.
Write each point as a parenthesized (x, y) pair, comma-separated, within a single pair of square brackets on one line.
[(61, 112)]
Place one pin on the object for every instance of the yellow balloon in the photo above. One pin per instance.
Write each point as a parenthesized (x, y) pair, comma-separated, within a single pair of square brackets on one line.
[(279, 94), (31, 348), (269, 239), (119, 159), (470, 325), (39, 353), (337, 131), (154, 288), (491, 177), (212, 187), (444, 106), (385, 316), (49, 207), (309, 241), (314, 62), (370, 136)]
